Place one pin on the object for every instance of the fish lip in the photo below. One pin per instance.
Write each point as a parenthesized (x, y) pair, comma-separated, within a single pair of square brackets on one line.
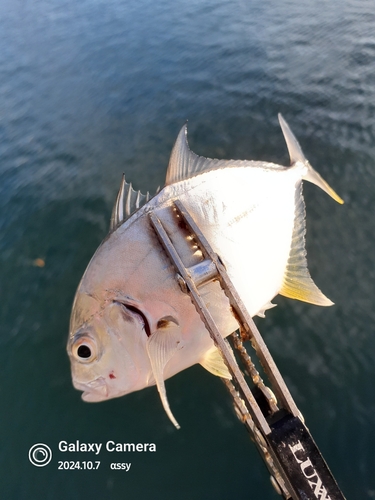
[(95, 390)]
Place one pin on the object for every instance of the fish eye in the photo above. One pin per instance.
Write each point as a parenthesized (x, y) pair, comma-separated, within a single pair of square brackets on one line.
[(84, 349)]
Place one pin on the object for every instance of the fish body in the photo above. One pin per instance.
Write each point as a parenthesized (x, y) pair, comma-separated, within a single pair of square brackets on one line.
[(131, 324)]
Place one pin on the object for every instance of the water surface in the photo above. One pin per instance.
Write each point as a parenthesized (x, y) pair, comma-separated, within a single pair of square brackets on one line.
[(90, 89)]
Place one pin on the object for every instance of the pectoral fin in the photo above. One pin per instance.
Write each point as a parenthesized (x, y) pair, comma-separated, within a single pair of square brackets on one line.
[(214, 363), (161, 346)]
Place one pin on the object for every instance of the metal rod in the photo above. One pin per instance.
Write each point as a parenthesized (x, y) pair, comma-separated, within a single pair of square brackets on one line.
[(269, 366), (253, 408), (298, 470)]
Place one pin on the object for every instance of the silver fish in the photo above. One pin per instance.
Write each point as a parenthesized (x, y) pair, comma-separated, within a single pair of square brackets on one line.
[(132, 326)]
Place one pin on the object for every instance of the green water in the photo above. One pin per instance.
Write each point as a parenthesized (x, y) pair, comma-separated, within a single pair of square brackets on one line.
[(90, 89)]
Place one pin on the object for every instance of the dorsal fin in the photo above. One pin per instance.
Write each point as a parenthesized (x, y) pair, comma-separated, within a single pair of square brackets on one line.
[(184, 164), (296, 155), (297, 283), (127, 202), (181, 159)]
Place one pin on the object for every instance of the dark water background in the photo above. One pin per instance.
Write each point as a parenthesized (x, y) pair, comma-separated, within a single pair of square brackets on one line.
[(90, 89)]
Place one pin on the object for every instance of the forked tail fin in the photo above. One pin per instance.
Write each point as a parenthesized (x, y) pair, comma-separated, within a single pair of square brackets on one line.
[(297, 282), (296, 155)]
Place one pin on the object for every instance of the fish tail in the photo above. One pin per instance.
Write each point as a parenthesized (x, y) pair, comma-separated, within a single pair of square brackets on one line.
[(297, 156), (297, 282)]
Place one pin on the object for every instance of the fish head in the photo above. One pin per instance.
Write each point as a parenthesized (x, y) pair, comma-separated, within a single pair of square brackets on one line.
[(106, 347), (131, 325)]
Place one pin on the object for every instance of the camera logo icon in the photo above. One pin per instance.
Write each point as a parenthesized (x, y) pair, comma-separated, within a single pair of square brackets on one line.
[(40, 455)]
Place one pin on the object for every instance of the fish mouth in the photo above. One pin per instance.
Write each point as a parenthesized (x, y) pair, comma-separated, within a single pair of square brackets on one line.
[(96, 390)]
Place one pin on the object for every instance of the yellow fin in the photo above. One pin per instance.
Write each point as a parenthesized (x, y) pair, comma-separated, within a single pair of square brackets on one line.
[(313, 176), (214, 363), (296, 155), (297, 283), (303, 288)]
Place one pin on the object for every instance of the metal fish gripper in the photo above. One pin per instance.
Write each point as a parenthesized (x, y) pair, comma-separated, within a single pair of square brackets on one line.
[(298, 469)]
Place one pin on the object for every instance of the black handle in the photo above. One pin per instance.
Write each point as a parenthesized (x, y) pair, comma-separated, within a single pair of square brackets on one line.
[(299, 457)]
